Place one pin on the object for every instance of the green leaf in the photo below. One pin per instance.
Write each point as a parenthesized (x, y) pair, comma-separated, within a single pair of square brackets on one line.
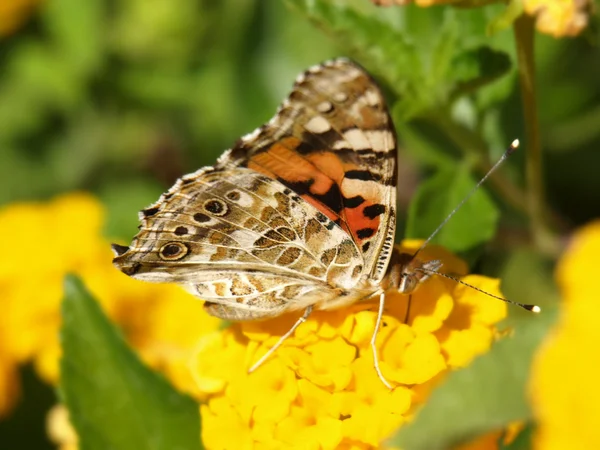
[(115, 402), (477, 67), (473, 224), (428, 57), (483, 397)]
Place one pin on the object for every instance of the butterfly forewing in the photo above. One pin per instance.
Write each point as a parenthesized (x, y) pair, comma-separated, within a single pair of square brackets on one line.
[(333, 143)]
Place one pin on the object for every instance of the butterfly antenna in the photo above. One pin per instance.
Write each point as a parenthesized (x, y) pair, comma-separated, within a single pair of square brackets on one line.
[(532, 308), (511, 149)]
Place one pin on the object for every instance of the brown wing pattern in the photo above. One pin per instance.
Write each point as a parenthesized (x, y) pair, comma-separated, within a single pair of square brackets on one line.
[(300, 212), (332, 142)]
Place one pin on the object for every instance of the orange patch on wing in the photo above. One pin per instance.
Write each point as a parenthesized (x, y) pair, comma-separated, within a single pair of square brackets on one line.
[(357, 220), (260, 169), (285, 163), (330, 164), (322, 170)]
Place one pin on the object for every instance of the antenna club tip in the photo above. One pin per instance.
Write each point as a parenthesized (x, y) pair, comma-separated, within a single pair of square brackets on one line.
[(514, 145), (536, 309)]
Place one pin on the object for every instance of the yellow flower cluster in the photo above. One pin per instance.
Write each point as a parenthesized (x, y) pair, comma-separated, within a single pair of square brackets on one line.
[(565, 374), (320, 389), (65, 236)]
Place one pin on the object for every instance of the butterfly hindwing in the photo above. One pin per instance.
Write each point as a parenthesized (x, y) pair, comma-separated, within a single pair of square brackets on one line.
[(217, 224)]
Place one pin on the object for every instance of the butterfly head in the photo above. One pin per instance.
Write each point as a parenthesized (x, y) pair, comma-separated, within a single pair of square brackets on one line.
[(407, 272)]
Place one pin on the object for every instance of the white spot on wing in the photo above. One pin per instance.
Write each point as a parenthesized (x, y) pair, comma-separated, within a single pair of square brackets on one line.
[(357, 139), (368, 189), (245, 201), (318, 124), (372, 98), (381, 140), (341, 144), (324, 107), (340, 97), (376, 140)]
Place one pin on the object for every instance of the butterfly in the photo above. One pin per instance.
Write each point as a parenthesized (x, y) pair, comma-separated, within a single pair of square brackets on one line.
[(298, 215)]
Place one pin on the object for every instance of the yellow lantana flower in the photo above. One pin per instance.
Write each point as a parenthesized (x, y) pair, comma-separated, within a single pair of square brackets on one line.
[(65, 236), (565, 375), (320, 389)]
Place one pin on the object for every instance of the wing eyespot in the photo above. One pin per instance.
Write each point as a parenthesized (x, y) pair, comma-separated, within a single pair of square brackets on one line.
[(201, 218), (173, 251), (181, 231), (216, 207), (234, 196)]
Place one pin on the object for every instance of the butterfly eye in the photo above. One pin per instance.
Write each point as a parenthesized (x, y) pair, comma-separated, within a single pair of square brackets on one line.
[(173, 251), (408, 283)]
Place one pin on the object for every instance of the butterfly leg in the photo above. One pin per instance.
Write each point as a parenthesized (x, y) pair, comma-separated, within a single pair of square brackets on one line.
[(272, 350), (373, 347), (408, 304)]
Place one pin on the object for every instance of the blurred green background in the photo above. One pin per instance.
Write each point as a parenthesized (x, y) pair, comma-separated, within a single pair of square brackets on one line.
[(121, 97)]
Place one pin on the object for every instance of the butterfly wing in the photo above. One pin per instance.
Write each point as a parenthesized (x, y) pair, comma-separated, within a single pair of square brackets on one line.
[(298, 212), (333, 142)]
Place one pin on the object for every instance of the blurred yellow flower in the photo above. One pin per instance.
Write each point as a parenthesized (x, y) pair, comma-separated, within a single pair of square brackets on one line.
[(9, 382), (320, 389), (13, 13), (565, 375), (60, 430), (559, 18), (65, 236)]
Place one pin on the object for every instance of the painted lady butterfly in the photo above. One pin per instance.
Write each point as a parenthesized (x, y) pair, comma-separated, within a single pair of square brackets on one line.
[(298, 215)]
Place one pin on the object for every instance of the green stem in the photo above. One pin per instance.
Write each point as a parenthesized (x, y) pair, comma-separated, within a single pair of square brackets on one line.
[(541, 235)]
